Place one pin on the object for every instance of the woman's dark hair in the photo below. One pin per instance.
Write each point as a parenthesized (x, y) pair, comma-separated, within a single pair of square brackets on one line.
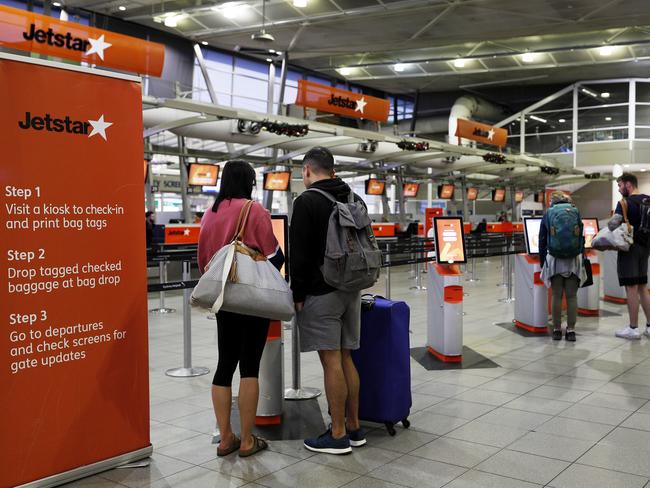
[(237, 181)]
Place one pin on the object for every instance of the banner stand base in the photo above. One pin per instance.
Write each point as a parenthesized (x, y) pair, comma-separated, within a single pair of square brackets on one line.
[(187, 372), (90, 469)]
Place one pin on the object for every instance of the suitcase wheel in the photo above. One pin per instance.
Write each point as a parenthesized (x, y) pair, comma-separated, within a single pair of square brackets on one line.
[(406, 423), (390, 428)]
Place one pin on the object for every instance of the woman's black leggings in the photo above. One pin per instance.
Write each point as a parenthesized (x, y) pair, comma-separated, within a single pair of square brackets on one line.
[(240, 339)]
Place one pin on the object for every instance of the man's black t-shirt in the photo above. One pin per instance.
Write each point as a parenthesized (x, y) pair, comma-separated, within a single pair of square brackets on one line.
[(633, 210)]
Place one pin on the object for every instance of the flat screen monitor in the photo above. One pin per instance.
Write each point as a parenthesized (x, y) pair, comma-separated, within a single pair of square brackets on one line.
[(519, 196), (203, 175), (375, 187), (280, 224), (498, 194), (446, 191), (411, 190), (590, 229), (277, 180), (531, 232), (539, 197), (449, 239), (472, 193)]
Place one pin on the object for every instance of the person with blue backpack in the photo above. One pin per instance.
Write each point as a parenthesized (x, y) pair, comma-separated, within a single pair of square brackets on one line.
[(561, 246)]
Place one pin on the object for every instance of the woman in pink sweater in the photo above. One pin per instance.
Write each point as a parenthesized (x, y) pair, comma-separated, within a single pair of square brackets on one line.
[(240, 338)]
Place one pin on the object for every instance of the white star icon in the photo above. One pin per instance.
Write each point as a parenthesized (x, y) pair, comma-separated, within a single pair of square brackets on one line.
[(491, 134), (361, 104), (97, 46), (186, 232), (99, 127)]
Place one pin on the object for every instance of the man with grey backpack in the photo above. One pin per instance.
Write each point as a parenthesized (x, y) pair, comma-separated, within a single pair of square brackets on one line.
[(333, 256)]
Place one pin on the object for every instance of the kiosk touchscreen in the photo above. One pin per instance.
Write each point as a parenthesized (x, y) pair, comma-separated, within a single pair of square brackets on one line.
[(449, 239), (531, 231), (203, 175), (590, 229), (280, 224), (277, 181)]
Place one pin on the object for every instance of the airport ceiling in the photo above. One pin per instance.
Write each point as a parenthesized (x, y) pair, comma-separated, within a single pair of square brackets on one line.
[(401, 46)]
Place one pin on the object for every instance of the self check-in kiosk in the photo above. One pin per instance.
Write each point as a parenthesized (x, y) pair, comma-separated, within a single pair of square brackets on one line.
[(531, 303), (589, 297), (445, 292)]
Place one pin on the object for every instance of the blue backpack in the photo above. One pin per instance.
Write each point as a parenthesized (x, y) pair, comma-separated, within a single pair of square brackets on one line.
[(564, 230)]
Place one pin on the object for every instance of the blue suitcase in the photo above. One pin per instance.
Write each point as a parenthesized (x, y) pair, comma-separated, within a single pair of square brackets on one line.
[(384, 362)]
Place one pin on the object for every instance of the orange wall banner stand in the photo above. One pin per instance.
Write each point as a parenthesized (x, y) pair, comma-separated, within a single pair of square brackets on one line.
[(475, 131), (351, 104), (73, 295), (42, 34)]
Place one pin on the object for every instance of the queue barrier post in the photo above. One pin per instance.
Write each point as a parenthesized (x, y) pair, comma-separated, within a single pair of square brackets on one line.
[(162, 269), (187, 370), (297, 392)]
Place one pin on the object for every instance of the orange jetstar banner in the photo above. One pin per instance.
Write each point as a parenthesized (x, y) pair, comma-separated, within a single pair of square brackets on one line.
[(329, 99), (27, 31), (468, 129), (73, 294)]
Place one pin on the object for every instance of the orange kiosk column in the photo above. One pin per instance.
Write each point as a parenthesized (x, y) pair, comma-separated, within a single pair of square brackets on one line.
[(73, 301)]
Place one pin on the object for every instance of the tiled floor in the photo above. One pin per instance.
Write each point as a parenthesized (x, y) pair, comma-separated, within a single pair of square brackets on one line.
[(553, 414)]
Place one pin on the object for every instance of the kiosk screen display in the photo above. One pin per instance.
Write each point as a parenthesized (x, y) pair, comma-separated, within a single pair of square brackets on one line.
[(472, 193), (519, 196), (203, 175), (446, 191), (411, 190), (531, 231), (450, 242), (375, 187), (280, 224), (590, 229), (277, 181), (498, 194)]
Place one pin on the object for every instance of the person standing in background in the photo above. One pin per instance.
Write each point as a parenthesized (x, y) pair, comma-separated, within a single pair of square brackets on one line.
[(150, 222)]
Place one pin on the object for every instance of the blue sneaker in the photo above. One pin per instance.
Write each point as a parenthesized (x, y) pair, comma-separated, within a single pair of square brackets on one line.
[(325, 443), (357, 437)]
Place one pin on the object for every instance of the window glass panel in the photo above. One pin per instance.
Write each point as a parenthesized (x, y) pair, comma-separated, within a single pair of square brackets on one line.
[(642, 133), (643, 115), (602, 135), (250, 87), (642, 92), (601, 94), (252, 68), (603, 117), (547, 143)]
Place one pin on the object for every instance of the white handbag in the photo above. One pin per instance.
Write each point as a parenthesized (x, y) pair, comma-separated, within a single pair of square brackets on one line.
[(619, 239), (241, 280)]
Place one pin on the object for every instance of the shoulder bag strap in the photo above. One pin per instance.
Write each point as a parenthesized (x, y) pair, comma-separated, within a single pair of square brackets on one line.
[(242, 220), (624, 209)]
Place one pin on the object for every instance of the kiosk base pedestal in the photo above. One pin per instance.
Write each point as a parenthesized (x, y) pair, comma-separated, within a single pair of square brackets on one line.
[(531, 307), (531, 328), (445, 313), (444, 358)]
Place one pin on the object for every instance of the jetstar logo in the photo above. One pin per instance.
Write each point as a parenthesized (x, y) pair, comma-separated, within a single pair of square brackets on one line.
[(69, 126), (67, 41), (356, 105)]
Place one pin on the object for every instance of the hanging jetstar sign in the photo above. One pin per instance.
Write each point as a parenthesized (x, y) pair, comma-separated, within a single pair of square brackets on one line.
[(329, 99), (27, 31), (468, 129)]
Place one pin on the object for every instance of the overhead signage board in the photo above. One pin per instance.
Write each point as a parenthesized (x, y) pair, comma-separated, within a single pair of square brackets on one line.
[(486, 134), (333, 100), (73, 300), (27, 31)]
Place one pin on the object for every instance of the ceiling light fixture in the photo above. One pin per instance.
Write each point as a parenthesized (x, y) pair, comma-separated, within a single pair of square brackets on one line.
[(538, 119), (269, 60), (643, 170), (459, 63), (56, 4), (399, 67), (300, 3), (606, 51), (231, 10), (262, 35), (562, 121), (604, 94), (589, 92), (205, 43), (528, 57), (608, 119), (122, 8), (173, 19), (345, 71)]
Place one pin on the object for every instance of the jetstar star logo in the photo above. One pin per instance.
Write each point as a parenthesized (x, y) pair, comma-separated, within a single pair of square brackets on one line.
[(67, 41), (69, 126)]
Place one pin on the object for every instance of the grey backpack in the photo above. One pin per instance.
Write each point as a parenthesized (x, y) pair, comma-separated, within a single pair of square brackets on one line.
[(352, 257)]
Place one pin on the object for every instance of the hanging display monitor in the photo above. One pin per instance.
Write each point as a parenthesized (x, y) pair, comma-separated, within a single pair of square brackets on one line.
[(446, 191), (411, 190), (277, 181), (519, 196), (590, 229), (472, 193), (498, 195), (203, 175), (531, 231), (449, 239), (375, 187)]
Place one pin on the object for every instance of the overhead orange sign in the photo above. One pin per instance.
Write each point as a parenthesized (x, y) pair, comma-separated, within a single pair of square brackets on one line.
[(73, 300), (468, 129), (27, 31), (329, 99)]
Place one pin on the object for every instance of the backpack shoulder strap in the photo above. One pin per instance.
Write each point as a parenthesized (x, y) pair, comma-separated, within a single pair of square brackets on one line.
[(324, 193)]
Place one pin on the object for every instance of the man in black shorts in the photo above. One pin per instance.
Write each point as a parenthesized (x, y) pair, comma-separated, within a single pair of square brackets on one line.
[(632, 265)]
